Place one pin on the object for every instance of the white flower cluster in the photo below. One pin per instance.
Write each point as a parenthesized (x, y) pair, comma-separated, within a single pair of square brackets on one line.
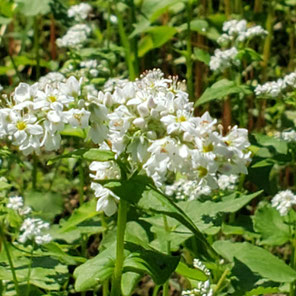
[(191, 189), (35, 114), (199, 265), (223, 59), (150, 123), (235, 32), (227, 182), (33, 230), (75, 37), (16, 203), (203, 288), (284, 201), (107, 200), (187, 189), (289, 136), (238, 31), (90, 66), (79, 12), (277, 88)]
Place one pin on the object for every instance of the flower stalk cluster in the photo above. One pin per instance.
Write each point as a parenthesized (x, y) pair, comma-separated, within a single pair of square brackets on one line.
[(236, 34)]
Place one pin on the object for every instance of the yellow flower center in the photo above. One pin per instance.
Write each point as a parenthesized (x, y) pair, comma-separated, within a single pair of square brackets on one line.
[(202, 172), (182, 118), (52, 98), (21, 125), (208, 148), (77, 116)]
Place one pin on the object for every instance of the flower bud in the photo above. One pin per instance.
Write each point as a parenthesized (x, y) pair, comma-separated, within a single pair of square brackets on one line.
[(139, 122), (143, 110)]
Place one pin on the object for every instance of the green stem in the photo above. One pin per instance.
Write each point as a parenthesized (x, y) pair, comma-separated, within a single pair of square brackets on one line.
[(221, 280), (189, 64), (106, 287), (165, 291), (106, 282), (81, 183), (155, 290), (121, 225), (29, 272), (34, 172), (134, 41), (126, 45), (293, 253), (36, 47), (227, 8), (10, 262)]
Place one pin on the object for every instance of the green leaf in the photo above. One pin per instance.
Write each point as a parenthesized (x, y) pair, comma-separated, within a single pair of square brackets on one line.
[(4, 185), (197, 25), (5, 20), (84, 212), (249, 55), (73, 132), (270, 224), (157, 36), (203, 214), (191, 273), (95, 270), (272, 143), (138, 260), (143, 260), (157, 202), (98, 155), (73, 154), (34, 7), (256, 259), (47, 204), (129, 281), (262, 291), (220, 90), (130, 190), (55, 250), (201, 55), (153, 9)]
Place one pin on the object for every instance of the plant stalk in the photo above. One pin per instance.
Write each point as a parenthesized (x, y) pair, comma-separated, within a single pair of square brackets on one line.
[(189, 64), (34, 172), (36, 47), (81, 184), (29, 273), (121, 225), (126, 45), (6, 249)]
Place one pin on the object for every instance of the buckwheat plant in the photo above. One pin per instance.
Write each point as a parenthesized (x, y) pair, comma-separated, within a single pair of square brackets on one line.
[(148, 125)]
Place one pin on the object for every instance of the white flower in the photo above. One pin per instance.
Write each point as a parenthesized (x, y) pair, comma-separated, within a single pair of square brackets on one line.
[(80, 11), (77, 118), (75, 36), (226, 182), (104, 170), (224, 59), (33, 229), (15, 203), (107, 201), (283, 201), (178, 123)]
